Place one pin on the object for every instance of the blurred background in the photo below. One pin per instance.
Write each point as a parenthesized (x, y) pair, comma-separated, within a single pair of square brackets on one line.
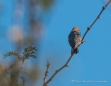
[(46, 24)]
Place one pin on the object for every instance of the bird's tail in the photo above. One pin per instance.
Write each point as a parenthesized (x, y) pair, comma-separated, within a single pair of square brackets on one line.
[(74, 51)]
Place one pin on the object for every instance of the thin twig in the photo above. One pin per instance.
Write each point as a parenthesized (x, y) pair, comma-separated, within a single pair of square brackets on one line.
[(98, 17), (66, 64), (57, 71), (46, 73)]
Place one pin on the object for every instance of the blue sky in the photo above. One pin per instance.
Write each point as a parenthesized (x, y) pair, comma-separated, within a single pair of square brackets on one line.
[(94, 58)]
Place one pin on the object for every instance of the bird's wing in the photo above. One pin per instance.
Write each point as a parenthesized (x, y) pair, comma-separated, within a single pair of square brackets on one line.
[(71, 39), (77, 40)]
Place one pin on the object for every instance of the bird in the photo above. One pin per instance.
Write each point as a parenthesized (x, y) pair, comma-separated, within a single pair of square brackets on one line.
[(74, 39)]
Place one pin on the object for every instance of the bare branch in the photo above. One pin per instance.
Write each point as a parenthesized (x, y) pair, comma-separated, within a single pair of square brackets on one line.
[(46, 73), (98, 17), (66, 64), (57, 71)]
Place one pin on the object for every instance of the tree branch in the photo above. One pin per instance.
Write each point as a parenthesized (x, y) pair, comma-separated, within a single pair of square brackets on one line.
[(98, 17), (46, 73), (57, 71), (66, 64)]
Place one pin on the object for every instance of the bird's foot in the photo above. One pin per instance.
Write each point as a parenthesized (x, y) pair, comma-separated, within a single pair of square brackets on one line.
[(82, 41)]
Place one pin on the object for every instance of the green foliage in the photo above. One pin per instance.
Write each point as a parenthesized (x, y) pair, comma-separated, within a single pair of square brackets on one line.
[(29, 52), (46, 3), (10, 53), (16, 68)]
